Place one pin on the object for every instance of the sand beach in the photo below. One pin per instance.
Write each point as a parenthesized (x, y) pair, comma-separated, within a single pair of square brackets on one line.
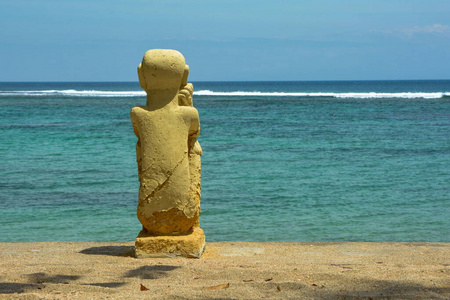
[(227, 270)]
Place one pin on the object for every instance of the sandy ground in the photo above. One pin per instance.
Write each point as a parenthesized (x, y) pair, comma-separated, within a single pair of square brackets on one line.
[(103, 270)]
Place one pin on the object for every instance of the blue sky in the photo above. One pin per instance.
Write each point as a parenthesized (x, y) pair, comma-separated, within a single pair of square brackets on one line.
[(56, 40)]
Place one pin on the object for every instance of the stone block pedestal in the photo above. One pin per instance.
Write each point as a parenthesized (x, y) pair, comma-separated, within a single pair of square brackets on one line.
[(190, 245)]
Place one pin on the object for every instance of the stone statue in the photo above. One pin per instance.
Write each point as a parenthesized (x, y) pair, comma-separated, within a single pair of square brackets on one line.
[(168, 159), (195, 168)]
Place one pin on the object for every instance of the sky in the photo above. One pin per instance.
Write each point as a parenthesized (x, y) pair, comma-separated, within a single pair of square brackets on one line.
[(80, 40)]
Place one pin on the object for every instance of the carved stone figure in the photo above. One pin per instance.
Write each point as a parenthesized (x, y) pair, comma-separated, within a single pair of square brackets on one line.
[(185, 99), (168, 159)]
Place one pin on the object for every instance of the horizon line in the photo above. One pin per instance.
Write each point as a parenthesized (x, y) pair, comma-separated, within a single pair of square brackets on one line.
[(327, 80)]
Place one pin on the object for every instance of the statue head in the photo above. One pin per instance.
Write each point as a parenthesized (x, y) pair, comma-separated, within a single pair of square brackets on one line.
[(162, 69), (185, 95)]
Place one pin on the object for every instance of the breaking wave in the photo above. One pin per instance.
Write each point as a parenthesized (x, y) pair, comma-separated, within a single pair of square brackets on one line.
[(408, 95), (99, 93), (74, 93)]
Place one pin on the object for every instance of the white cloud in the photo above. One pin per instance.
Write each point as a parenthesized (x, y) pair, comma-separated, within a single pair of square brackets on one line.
[(436, 28)]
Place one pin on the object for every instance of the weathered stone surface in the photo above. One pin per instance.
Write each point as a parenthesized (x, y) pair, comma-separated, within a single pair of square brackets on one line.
[(190, 245), (168, 155)]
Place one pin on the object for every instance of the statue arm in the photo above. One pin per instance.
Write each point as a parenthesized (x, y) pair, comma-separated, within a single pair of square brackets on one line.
[(194, 130), (133, 118)]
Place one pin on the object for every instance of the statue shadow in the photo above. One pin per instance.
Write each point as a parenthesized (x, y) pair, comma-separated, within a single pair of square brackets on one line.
[(124, 251), (151, 272)]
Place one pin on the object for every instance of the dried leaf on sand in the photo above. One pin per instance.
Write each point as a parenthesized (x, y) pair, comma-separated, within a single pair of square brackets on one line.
[(340, 266), (217, 287)]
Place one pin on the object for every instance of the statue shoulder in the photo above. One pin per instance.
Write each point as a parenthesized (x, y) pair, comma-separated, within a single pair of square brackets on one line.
[(137, 110), (188, 111)]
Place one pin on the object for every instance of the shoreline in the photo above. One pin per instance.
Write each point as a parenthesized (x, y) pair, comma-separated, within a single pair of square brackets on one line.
[(243, 270)]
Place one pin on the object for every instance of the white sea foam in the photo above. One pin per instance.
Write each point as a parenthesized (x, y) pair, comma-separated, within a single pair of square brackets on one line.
[(333, 95), (98, 93), (74, 93)]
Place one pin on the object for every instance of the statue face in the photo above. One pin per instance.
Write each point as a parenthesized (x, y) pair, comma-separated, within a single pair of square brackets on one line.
[(185, 95), (184, 98)]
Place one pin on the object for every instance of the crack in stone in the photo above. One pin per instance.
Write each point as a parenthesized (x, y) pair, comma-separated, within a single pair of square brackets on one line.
[(165, 182)]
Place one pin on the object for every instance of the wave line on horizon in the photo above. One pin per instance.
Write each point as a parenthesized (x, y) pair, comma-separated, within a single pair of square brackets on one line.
[(357, 95), (361, 95)]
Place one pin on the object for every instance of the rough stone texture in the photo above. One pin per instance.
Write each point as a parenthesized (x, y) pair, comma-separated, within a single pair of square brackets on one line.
[(190, 245), (185, 99), (167, 154)]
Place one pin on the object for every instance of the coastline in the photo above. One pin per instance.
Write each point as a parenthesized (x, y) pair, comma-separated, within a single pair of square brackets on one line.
[(243, 270)]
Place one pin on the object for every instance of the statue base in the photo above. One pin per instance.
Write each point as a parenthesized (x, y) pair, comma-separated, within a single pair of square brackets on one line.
[(190, 245)]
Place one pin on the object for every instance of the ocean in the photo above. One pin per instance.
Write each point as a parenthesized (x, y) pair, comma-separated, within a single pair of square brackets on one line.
[(283, 161)]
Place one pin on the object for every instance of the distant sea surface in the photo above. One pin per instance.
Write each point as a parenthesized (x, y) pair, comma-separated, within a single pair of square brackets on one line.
[(283, 161)]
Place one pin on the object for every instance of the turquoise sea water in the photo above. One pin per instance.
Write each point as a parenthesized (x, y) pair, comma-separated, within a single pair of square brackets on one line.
[(283, 161)]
